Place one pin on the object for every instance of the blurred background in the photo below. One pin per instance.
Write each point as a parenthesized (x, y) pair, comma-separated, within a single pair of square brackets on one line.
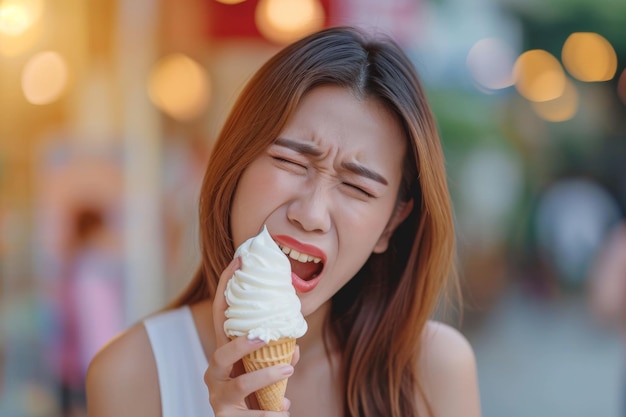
[(109, 109)]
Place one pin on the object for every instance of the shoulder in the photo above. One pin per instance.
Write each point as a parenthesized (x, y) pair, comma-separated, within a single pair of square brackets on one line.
[(447, 369), (122, 379), (445, 348)]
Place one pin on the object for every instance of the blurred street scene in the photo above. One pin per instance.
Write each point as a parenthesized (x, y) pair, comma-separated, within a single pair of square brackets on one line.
[(108, 113)]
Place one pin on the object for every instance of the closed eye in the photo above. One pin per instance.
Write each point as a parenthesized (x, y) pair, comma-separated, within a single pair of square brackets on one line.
[(359, 190), (288, 162)]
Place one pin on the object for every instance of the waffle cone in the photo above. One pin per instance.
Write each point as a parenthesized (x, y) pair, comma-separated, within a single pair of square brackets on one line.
[(276, 352)]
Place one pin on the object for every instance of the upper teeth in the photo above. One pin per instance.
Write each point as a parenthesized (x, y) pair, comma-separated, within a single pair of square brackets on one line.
[(300, 257)]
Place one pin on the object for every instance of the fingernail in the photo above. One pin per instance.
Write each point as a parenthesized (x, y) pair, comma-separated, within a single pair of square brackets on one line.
[(286, 370), (257, 341)]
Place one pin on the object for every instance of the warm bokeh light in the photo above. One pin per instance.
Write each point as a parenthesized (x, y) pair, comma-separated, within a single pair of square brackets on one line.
[(621, 87), (13, 19), (179, 86), (560, 109), (230, 1), (589, 57), (283, 21), (17, 16), (538, 76), (16, 45), (44, 78), (490, 62), (19, 30)]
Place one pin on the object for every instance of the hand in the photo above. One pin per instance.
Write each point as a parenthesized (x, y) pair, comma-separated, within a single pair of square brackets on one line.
[(230, 388)]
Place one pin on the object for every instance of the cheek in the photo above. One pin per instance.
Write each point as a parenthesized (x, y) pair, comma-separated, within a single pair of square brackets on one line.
[(262, 185), (242, 216), (256, 196), (359, 231), (367, 221)]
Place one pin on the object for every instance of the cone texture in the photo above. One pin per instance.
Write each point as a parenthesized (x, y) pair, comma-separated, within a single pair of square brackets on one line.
[(276, 352)]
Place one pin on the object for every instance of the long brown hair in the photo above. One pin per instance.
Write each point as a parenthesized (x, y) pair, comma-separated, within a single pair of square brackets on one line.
[(377, 319)]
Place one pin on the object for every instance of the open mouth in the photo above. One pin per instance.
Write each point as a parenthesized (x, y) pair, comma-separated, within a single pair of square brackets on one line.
[(306, 267)]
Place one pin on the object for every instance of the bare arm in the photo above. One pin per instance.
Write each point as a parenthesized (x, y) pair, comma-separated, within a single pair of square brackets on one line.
[(122, 379), (448, 372)]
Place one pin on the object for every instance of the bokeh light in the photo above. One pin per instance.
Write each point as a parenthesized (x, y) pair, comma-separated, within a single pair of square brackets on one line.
[(179, 86), (490, 63), (589, 57), (230, 1), (16, 45), (538, 76), (561, 108), (17, 16), (19, 28), (283, 21), (44, 78), (621, 87), (13, 19)]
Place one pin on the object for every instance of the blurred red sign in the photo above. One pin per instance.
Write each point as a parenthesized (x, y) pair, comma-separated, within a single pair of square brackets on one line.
[(237, 20)]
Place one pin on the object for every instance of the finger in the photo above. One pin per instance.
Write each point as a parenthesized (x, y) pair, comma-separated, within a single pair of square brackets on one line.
[(247, 384), (235, 390), (219, 302), (286, 404), (223, 358)]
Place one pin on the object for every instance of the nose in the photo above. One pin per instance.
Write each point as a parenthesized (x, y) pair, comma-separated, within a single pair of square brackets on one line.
[(310, 210)]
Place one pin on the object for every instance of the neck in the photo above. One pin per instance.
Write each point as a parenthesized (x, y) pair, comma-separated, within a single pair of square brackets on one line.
[(312, 343)]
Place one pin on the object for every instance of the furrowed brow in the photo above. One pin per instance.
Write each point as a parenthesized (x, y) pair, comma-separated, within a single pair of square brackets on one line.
[(300, 147), (364, 172), (312, 150)]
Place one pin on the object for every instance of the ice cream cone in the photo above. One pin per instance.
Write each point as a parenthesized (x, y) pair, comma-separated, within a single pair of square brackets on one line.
[(276, 352)]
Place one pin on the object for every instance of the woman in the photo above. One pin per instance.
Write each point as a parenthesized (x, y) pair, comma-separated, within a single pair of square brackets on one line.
[(332, 144)]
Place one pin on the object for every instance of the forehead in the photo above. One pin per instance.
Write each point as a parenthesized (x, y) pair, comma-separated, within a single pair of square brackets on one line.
[(363, 127)]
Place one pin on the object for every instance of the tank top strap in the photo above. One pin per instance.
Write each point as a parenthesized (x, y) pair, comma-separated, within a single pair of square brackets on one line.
[(180, 363)]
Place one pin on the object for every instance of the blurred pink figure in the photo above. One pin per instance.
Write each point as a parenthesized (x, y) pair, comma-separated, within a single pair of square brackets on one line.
[(91, 301)]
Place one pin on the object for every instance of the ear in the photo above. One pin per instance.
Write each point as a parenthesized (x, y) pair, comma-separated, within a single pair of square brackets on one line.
[(400, 213)]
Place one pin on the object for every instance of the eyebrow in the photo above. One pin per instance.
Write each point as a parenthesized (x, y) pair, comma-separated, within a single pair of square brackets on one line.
[(312, 150), (364, 172), (300, 147)]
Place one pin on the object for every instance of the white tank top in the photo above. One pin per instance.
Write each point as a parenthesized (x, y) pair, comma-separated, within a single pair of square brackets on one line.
[(180, 363)]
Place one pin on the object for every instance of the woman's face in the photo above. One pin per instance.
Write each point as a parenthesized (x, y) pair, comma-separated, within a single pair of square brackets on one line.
[(326, 188)]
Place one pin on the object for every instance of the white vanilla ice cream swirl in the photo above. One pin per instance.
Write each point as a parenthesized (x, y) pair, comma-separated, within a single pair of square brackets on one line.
[(262, 301)]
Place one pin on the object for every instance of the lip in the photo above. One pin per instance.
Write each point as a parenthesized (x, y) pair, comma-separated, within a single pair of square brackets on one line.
[(300, 247), (298, 283), (303, 286)]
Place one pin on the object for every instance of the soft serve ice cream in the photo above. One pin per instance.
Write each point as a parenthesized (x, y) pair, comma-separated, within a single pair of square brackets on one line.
[(263, 304), (262, 301)]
